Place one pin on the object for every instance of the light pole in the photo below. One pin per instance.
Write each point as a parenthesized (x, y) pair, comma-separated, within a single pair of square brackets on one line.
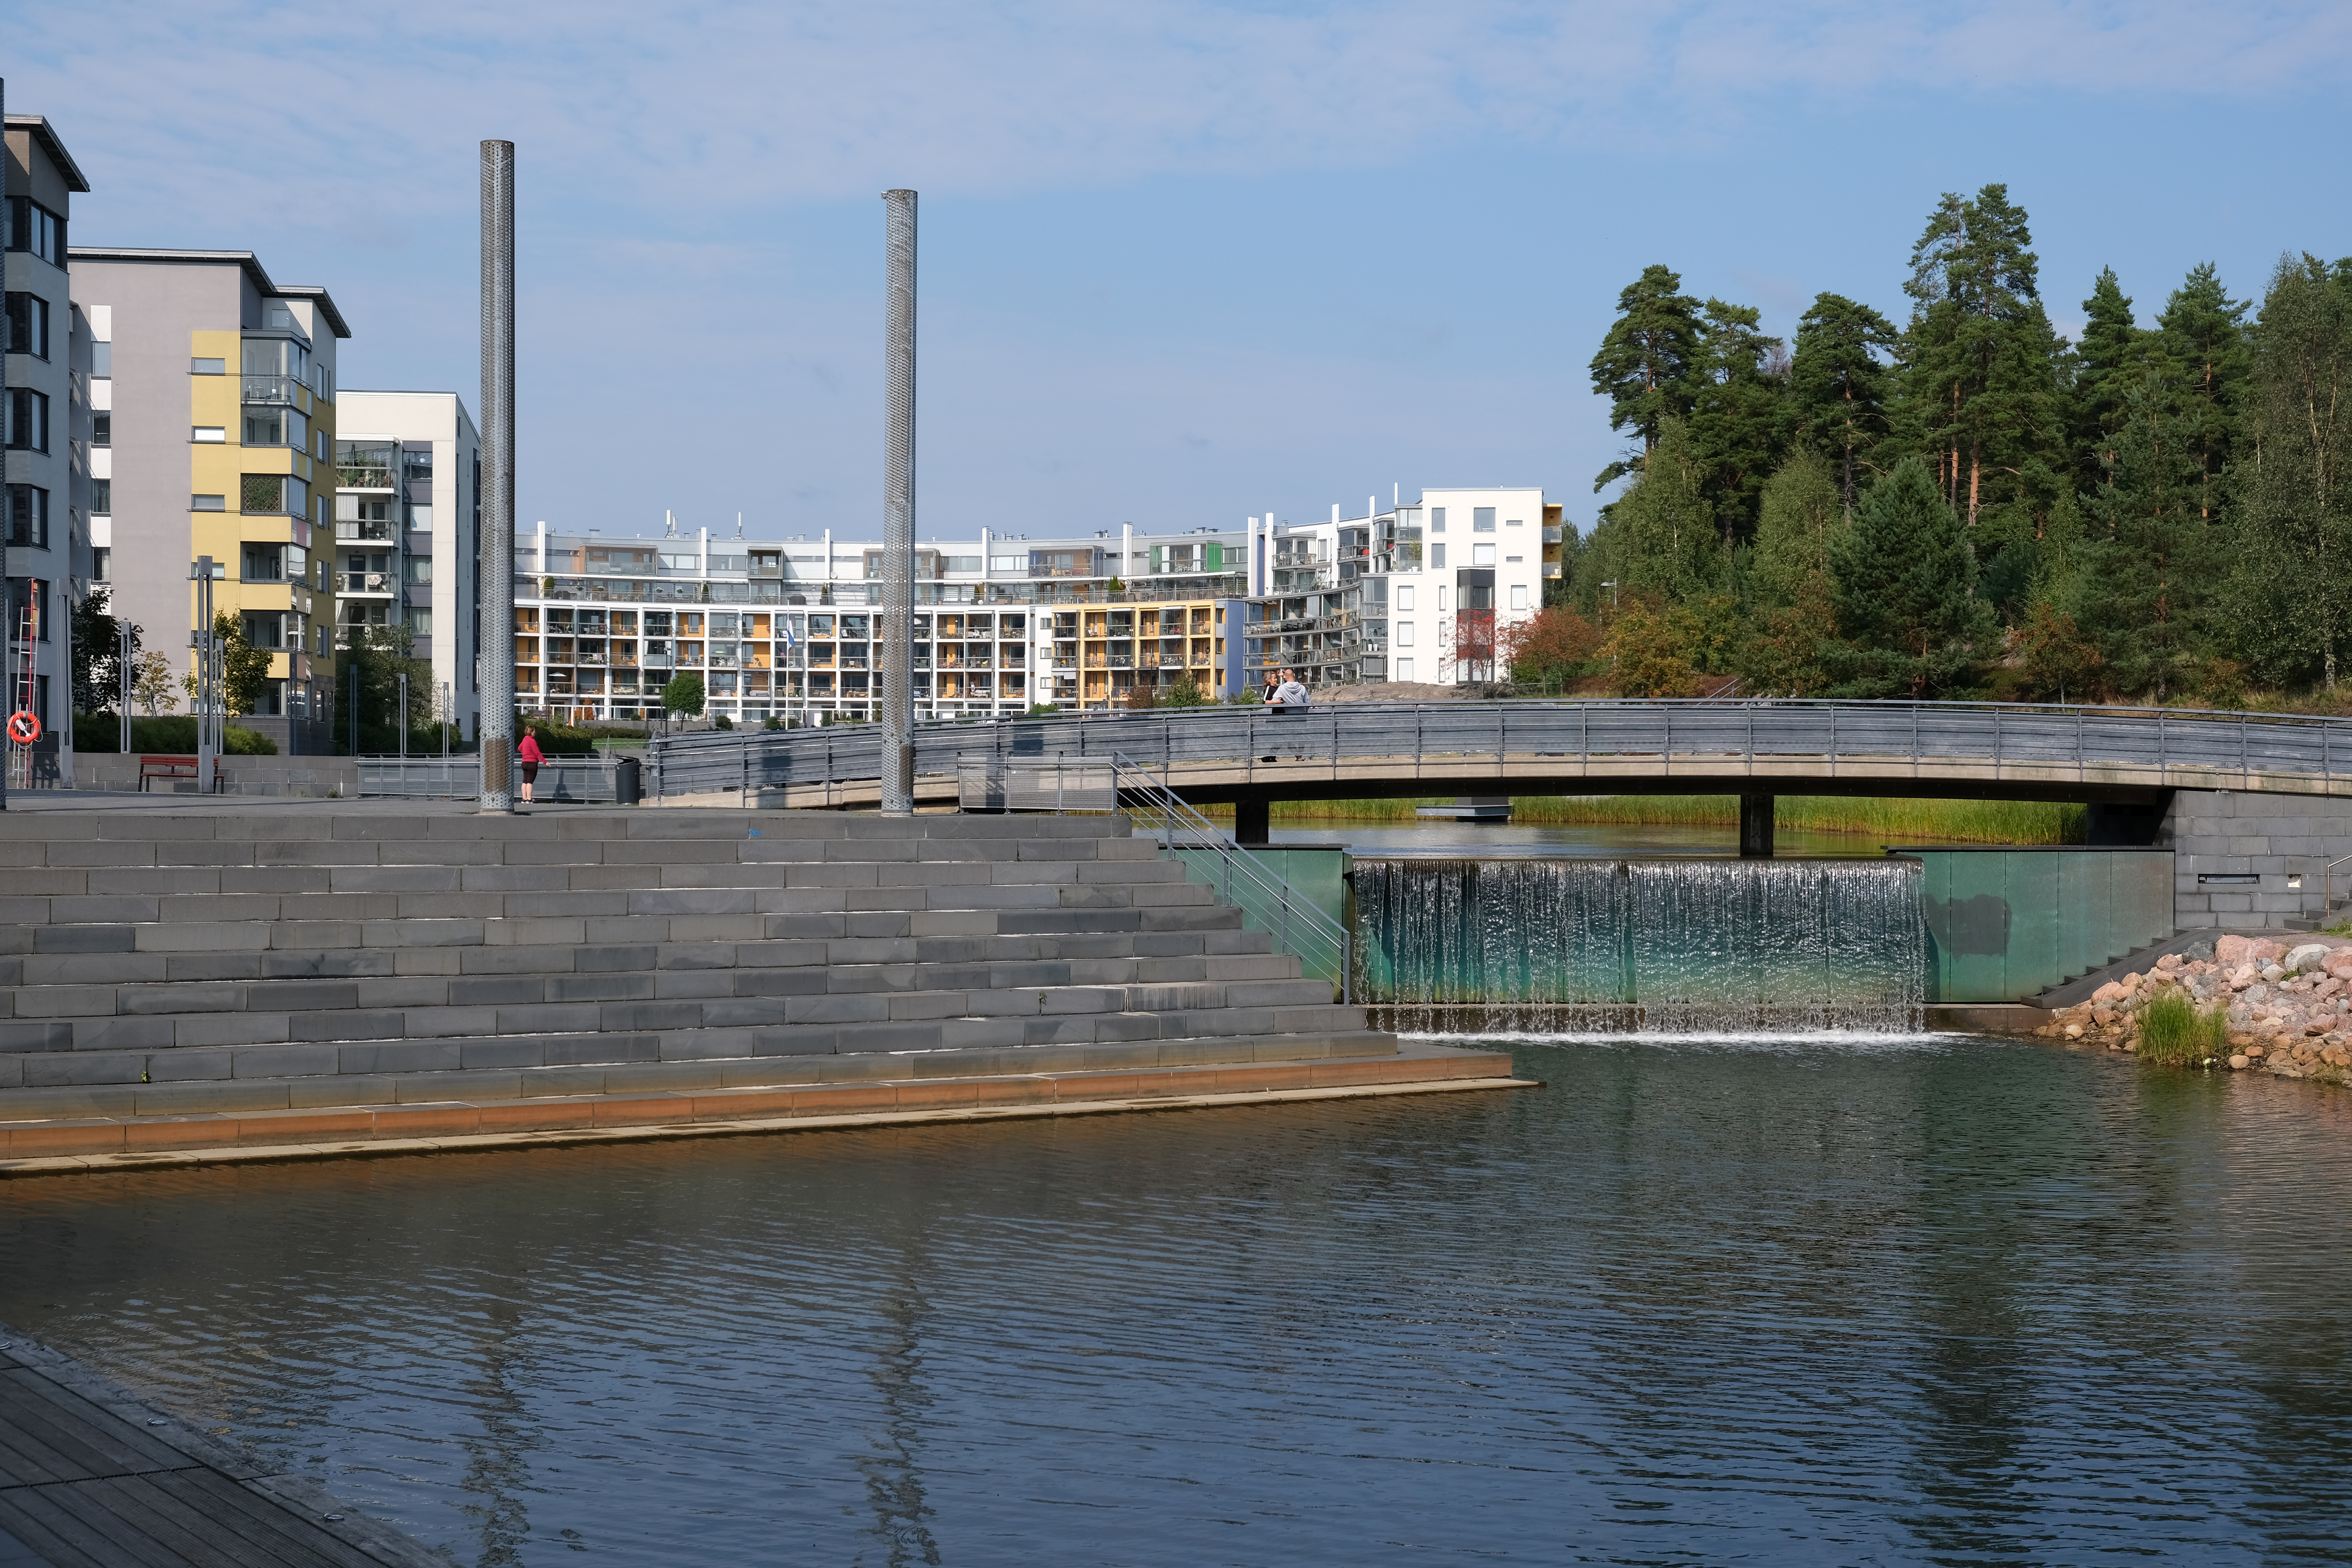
[(201, 641), (1612, 594), (402, 681), (128, 635)]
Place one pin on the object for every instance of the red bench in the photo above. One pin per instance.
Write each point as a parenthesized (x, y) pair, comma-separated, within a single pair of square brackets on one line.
[(171, 768)]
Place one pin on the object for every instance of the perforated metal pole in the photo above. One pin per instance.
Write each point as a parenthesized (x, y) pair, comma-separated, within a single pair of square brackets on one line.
[(496, 632), (898, 512)]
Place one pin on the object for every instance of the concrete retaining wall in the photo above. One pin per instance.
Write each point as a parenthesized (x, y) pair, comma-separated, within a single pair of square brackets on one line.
[(2283, 842)]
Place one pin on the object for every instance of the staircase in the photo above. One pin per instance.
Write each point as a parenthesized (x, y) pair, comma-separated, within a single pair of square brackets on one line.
[(207, 962)]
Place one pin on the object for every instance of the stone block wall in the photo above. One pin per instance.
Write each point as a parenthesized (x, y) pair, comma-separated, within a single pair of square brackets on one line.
[(2283, 843)]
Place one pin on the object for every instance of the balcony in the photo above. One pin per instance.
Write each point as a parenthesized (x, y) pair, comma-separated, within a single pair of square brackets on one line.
[(1551, 534), (272, 391), (380, 532), (356, 475), (385, 583)]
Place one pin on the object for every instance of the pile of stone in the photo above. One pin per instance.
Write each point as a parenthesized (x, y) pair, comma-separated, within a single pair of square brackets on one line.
[(2290, 1007)]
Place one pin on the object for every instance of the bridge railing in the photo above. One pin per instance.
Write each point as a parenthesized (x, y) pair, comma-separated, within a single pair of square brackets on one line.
[(1324, 946), (2195, 743)]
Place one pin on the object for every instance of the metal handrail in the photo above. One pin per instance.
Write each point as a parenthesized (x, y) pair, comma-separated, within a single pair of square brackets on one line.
[(2174, 748), (1322, 946), (2327, 883)]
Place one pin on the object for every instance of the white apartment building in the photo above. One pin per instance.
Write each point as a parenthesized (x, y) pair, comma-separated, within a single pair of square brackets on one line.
[(408, 511), (790, 628)]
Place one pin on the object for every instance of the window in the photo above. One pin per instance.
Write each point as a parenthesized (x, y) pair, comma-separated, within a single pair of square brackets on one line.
[(274, 428), (28, 516), (1518, 595), (1482, 555), (101, 427), (1437, 558), (1437, 520), (1482, 520), (264, 564), (1404, 670), (101, 361), (101, 564), (28, 325), (416, 462), (420, 568), (271, 494), (208, 433), (36, 230), (102, 498), (1513, 522), (1405, 634), (420, 622), (27, 420), (207, 503), (266, 630), (1441, 600), (208, 367), (420, 520), (1404, 596)]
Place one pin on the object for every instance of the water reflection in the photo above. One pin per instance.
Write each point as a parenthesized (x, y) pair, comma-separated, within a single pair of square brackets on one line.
[(1925, 1298)]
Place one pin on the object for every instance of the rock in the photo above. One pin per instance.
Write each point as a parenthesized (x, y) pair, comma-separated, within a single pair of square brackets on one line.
[(2310, 955), (2320, 1026), (2110, 992), (2256, 1051), (2074, 1031), (2130, 983), (2264, 950), (2103, 1016), (2169, 961), (2230, 949), (2237, 1062), (2274, 974)]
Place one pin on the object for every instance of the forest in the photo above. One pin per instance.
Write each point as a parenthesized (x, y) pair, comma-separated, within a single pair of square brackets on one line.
[(1964, 504)]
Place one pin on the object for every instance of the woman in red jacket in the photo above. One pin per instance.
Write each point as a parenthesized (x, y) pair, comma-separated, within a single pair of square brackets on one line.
[(532, 757)]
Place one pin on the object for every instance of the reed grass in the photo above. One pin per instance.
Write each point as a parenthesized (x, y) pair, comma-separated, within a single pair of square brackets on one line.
[(1897, 821), (2173, 1031)]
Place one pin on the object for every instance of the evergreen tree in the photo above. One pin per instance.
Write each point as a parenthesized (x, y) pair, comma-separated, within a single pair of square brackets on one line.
[(1650, 363), (2107, 364), (1837, 385), (1737, 415), (1979, 361), (2294, 527), (1663, 529), (1801, 514), (2147, 568), (2202, 336), (1903, 580)]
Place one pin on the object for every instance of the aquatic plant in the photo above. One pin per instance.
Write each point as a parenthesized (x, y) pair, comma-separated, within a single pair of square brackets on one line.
[(2174, 1032)]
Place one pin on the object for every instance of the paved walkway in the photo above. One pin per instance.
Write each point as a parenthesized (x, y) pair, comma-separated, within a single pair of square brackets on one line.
[(92, 1478)]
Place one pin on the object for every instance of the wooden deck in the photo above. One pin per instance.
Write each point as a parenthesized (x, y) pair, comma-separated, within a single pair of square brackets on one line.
[(91, 1478)]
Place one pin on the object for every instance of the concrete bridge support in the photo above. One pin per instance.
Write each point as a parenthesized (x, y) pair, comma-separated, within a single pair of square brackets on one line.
[(2243, 860), (1250, 820), (1755, 827)]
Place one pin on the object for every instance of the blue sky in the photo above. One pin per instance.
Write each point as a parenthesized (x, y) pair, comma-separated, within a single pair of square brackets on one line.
[(1181, 262)]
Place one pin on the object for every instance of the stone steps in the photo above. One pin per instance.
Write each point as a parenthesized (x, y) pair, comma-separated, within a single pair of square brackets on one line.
[(154, 963)]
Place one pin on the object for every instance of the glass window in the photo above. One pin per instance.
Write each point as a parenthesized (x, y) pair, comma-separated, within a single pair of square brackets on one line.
[(1437, 520), (264, 564), (208, 433), (208, 367), (207, 503), (1518, 595), (101, 427), (102, 497), (101, 564), (420, 520), (28, 326), (28, 420), (1482, 520), (420, 568), (28, 516), (34, 228), (1437, 558), (1482, 555)]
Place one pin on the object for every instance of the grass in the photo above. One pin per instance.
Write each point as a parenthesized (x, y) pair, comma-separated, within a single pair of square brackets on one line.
[(1891, 821), (2173, 1033)]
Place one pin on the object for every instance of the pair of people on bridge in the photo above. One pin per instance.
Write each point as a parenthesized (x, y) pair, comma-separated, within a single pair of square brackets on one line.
[(1284, 694)]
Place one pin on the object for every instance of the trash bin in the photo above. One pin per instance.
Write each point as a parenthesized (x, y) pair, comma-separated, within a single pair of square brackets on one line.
[(628, 786)]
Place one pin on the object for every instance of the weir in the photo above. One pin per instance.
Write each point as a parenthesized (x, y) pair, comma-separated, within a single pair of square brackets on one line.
[(1593, 945)]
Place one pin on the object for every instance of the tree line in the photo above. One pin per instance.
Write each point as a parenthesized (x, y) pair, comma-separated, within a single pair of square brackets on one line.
[(1965, 504)]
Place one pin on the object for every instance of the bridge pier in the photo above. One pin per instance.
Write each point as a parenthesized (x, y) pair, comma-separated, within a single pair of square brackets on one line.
[(1250, 821), (1755, 827)]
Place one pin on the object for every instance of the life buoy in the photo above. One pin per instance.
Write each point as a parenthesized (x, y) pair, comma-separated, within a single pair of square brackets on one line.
[(24, 727)]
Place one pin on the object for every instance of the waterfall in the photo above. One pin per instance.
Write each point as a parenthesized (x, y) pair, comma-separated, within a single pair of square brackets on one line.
[(1585, 945)]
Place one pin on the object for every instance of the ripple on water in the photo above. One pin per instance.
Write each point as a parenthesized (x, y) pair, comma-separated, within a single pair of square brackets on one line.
[(1834, 1298)]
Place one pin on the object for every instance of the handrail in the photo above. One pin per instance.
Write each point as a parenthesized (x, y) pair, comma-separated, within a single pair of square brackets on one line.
[(1320, 943), (2327, 883)]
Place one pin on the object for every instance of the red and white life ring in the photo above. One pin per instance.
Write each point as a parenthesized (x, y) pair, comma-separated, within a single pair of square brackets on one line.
[(24, 727)]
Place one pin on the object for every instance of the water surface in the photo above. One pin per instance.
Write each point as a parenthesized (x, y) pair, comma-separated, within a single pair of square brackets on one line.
[(1847, 1298)]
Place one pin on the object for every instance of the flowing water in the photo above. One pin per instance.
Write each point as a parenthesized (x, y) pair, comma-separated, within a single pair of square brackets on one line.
[(1581, 945), (1832, 1298)]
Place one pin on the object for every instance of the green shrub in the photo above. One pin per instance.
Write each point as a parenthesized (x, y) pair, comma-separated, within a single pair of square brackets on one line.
[(2173, 1032), (236, 742)]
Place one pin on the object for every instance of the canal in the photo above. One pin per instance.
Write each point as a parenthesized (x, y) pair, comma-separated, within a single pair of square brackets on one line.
[(1838, 1298)]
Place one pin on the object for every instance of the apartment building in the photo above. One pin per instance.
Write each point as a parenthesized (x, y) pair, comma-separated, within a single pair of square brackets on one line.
[(406, 551), (793, 628), (220, 397), (45, 410)]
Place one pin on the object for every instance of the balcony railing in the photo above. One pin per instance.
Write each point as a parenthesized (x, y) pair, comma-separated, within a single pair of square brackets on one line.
[(362, 475), (378, 532), (367, 581), (273, 390)]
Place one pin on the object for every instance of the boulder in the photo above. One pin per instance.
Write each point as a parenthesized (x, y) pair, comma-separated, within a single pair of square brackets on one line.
[(2262, 950), (2237, 1061), (2309, 956), (2231, 951), (2107, 995)]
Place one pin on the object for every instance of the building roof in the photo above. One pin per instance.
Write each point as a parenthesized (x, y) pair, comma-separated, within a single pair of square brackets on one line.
[(242, 258), (47, 136)]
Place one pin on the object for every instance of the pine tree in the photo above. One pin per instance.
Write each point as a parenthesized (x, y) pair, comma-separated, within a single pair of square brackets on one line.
[(2145, 584), (2294, 544), (1978, 370), (1837, 385), (2108, 361), (1737, 415), (1650, 363), (2202, 335), (1904, 582)]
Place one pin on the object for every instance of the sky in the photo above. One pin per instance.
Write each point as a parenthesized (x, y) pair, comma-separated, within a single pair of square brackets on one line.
[(1181, 262)]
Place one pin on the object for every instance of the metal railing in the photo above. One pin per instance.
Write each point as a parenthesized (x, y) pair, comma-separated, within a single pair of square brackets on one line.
[(567, 781), (1786, 742), (1325, 948)]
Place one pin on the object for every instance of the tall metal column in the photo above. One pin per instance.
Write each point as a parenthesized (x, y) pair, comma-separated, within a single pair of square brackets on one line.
[(496, 726), (898, 514)]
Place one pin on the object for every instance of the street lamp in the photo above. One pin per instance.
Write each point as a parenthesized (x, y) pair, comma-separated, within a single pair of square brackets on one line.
[(1612, 594)]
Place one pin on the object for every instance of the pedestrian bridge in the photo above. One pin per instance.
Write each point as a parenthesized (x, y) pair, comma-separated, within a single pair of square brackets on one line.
[(2128, 758)]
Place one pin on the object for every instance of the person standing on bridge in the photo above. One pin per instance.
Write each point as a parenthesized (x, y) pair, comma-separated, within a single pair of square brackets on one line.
[(532, 757), (1289, 697)]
